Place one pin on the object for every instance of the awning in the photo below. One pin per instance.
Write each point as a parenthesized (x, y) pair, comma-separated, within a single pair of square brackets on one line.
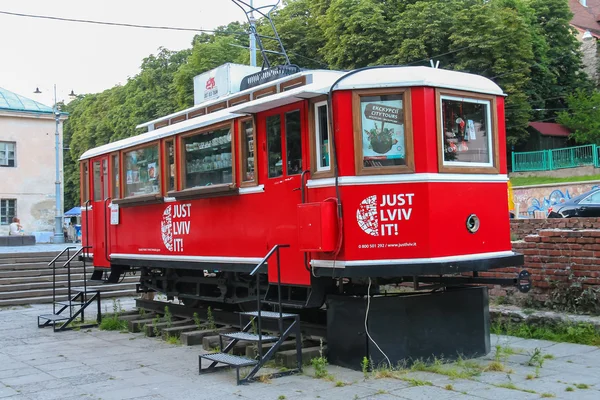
[(73, 212)]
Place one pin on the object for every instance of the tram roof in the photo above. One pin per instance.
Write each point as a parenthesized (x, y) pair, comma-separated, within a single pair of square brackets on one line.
[(318, 83)]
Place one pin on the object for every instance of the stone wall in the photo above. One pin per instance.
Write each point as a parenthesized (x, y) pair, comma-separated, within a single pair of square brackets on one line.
[(520, 228), (557, 256)]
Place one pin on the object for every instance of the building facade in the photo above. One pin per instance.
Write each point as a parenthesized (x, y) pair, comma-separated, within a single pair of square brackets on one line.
[(27, 165), (586, 20)]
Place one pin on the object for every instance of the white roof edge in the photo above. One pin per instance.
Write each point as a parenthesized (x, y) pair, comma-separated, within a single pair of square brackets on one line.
[(233, 95), (166, 131)]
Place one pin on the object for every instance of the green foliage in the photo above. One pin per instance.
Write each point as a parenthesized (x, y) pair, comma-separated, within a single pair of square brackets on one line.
[(155, 323), (365, 366), (197, 321), (583, 116), (210, 319), (113, 323), (320, 364), (168, 317), (580, 333), (539, 180), (173, 340), (572, 295)]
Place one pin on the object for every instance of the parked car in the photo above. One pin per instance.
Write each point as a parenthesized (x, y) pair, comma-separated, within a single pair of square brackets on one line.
[(584, 205)]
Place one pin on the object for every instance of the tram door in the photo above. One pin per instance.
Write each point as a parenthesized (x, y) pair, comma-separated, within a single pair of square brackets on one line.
[(100, 212), (286, 137)]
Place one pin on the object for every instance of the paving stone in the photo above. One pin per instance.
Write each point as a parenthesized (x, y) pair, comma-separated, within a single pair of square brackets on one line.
[(423, 393), (6, 391)]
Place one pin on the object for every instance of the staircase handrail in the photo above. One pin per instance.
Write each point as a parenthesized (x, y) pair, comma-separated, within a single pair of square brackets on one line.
[(264, 260), (60, 254), (78, 252)]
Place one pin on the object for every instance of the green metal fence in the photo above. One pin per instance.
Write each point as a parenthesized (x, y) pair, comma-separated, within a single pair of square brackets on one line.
[(546, 160)]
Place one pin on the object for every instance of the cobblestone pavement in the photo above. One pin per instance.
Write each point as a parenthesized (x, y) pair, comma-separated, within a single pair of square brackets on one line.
[(38, 248), (93, 364)]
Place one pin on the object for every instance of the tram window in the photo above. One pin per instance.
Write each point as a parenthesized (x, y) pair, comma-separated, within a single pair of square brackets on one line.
[(466, 132), (274, 153), (248, 151), (97, 181), (170, 172), (208, 158), (141, 171), (293, 143), (322, 137), (85, 178), (115, 177), (105, 178)]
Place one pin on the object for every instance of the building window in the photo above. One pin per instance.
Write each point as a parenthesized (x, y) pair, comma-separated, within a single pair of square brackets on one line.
[(208, 158), (248, 140), (383, 135), (170, 161), (466, 132), (8, 210), (7, 154), (115, 177), (322, 146), (141, 171), (274, 151)]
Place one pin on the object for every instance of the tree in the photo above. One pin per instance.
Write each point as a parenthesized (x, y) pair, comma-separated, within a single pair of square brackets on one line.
[(583, 116)]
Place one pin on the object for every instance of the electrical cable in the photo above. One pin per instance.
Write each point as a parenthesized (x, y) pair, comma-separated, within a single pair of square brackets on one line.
[(127, 25), (366, 327)]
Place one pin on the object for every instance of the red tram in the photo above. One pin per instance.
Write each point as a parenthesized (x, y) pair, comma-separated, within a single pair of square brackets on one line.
[(375, 175)]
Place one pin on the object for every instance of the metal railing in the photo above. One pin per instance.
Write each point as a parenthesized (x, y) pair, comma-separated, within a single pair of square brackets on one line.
[(547, 160), (258, 299), (53, 265)]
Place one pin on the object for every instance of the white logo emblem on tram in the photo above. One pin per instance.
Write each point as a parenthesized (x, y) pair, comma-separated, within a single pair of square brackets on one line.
[(175, 225), (380, 217)]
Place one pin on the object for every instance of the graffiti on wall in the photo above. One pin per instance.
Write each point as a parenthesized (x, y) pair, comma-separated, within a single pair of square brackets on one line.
[(540, 198)]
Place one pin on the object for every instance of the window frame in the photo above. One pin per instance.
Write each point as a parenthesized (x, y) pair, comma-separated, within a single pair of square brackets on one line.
[(14, 154), (99, 183), (241, 153), (465, 167), (166, 172), (314, 139), (114, 191), (84, 182), (9, 220), (205, 191), (123, 176), (409, 167)]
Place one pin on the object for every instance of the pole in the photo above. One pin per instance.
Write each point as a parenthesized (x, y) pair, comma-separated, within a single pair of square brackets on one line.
[(58, 231), (252, 37)]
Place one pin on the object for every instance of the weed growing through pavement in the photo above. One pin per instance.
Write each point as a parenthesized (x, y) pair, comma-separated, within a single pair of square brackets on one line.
[(168, 317), (197, 321), (580, 333), (113, 323), (155, 323), (320, 364), (366, 367), (210, 319)]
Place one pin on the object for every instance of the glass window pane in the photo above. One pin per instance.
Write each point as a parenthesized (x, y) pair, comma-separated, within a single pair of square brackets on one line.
[(170, 157), (274, 146), (142, 171), (322, 137), (465, 127), (293, 143), (208, 159), (247, 151), (97, 181), (104, 179), (84, 184), (115, 176), (383, 141)]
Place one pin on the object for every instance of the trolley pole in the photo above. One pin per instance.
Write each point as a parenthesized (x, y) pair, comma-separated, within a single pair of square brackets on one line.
[(252, 37)]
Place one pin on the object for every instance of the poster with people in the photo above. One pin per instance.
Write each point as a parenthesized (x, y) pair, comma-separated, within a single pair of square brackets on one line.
[(382, 129)]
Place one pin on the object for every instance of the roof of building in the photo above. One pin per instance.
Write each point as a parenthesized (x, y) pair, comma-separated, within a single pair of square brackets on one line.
[(15, 102), (550, 129), (586, 17)]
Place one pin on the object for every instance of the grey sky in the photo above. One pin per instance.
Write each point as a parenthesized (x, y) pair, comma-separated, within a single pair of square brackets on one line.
[(91, 58)]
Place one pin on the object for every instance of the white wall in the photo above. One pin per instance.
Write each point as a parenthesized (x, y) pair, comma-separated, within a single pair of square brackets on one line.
[(32, 181)]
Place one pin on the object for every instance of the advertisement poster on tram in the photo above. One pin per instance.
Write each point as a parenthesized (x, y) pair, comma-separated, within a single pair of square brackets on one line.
[(383, 129)]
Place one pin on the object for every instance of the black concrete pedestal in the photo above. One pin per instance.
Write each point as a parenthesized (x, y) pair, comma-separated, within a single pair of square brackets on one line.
[(408, 327)]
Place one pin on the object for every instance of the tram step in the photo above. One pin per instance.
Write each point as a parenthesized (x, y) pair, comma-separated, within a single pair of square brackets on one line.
[(269, 314), (250, 337), (235, 361), (53, 317)]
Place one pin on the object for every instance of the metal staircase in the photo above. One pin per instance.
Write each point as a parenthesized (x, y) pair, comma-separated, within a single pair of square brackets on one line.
[(78, 299), (289, 324)]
